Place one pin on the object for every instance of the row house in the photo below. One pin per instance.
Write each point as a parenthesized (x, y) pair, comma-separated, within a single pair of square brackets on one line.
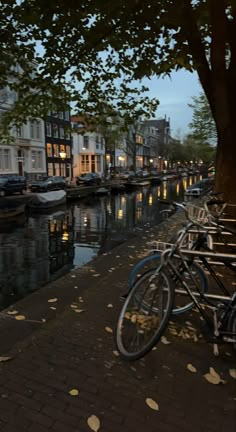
[(59, 144), (88, 148), (26, 155)]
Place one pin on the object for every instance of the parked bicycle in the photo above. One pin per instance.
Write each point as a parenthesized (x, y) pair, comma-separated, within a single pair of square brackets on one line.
[(150, 302)]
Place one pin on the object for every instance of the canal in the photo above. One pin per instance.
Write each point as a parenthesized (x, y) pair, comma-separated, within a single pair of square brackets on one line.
[(39, 248)]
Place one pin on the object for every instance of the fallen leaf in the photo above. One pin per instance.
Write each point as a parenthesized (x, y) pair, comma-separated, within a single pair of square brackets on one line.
[(43, 320), (152, 404), (73, 276), (214, 373), (115, 353), (96, 275), (53, 300), (79, 310), (75, 287), (108, 329), (74, 392), (3, 358), (73, 306), (212, 379), (53, 308), (232, 373), (14, 312), (94, 423), (20, 317), (164, 340), (191, 368), (110, 305)]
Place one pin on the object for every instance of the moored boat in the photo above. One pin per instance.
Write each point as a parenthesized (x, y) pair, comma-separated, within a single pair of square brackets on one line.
[(47, 200), (10, 209)]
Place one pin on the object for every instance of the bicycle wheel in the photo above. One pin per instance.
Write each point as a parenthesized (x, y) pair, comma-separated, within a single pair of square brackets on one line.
[(144, 315), (198, 277)]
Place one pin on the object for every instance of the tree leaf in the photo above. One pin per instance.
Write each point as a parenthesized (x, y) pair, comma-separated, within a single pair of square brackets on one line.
[(152, 404), (52, 300), (20, 317), (74, 392), (164, 340), (232, 373), (94, 423), (191, 368), (214, 373), (212, 379), (3, 358), (108, 329)]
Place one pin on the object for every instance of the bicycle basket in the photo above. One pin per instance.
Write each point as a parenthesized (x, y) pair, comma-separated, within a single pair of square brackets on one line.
[(197, 214)]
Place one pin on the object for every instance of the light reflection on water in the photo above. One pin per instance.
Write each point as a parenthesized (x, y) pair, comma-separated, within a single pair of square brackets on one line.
[(42, 247)]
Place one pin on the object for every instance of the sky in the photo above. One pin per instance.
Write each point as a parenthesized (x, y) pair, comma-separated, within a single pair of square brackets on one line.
[(174, 95)]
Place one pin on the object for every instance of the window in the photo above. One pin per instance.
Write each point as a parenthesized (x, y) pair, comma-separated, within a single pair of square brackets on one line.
[(62, 132), (97, 146), (5, 162), (67, 115), (55, 130), (85, 142), (49, 150), (85, 163), (35, 130), (98, 163), (97, 139), (50, 169), (61, 115), (68, 151), (48, 129), (37, 160), (55, 150), (19, 131)]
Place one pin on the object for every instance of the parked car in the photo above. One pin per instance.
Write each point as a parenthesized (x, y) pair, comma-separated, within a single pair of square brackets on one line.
[(127, 175), (48, 184), (11, 184), (88, 179)]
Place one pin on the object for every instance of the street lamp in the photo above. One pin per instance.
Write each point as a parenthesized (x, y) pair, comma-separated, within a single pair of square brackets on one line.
[(62, 154)]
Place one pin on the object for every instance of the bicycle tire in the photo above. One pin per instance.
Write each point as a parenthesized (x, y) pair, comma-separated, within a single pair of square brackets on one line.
[(199, 274), (145, 323)]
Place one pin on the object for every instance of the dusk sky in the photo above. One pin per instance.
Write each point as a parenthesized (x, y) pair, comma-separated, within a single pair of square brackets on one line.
[(175, 94)]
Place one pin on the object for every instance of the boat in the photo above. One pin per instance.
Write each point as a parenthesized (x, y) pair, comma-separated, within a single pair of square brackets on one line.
[(10, 209), (102, 191), (47, 200), (117, 187), (156, 180)]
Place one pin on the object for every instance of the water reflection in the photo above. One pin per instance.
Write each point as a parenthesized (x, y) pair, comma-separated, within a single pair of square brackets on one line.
[(41, 248)]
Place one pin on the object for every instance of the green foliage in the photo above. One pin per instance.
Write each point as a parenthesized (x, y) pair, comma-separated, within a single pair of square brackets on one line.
[(202, 126)]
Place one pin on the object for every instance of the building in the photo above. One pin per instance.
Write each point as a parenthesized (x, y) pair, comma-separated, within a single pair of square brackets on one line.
[(58, 144), (25, 155), (156, 135), (88, 148)]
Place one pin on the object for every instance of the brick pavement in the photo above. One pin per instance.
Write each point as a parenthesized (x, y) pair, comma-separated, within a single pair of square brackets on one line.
[(74, 351)]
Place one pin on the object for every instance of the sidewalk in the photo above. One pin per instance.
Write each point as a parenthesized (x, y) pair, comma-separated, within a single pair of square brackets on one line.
[(74, 350)]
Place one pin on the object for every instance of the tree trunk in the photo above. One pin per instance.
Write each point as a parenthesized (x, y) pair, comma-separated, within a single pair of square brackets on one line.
[(226, 165)]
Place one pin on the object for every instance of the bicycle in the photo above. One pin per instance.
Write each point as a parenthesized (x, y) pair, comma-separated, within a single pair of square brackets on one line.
[(148, 306)]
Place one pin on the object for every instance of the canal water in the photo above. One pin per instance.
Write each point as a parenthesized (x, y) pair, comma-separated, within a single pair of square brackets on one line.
[(39, 248)]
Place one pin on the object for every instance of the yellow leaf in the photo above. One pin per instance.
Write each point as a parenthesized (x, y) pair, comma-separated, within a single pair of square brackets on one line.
[(79, 310), (212, 379), (94, 423), (115, 353), (232, 373), (14, 312), (73, 306), (52, 300), (152, 404), (110, 305), (214, 373), (74, 392), (3, 358), (108, 329), (164, 340), (96, 275), (53, 308), (20, 317), (191, 368)]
